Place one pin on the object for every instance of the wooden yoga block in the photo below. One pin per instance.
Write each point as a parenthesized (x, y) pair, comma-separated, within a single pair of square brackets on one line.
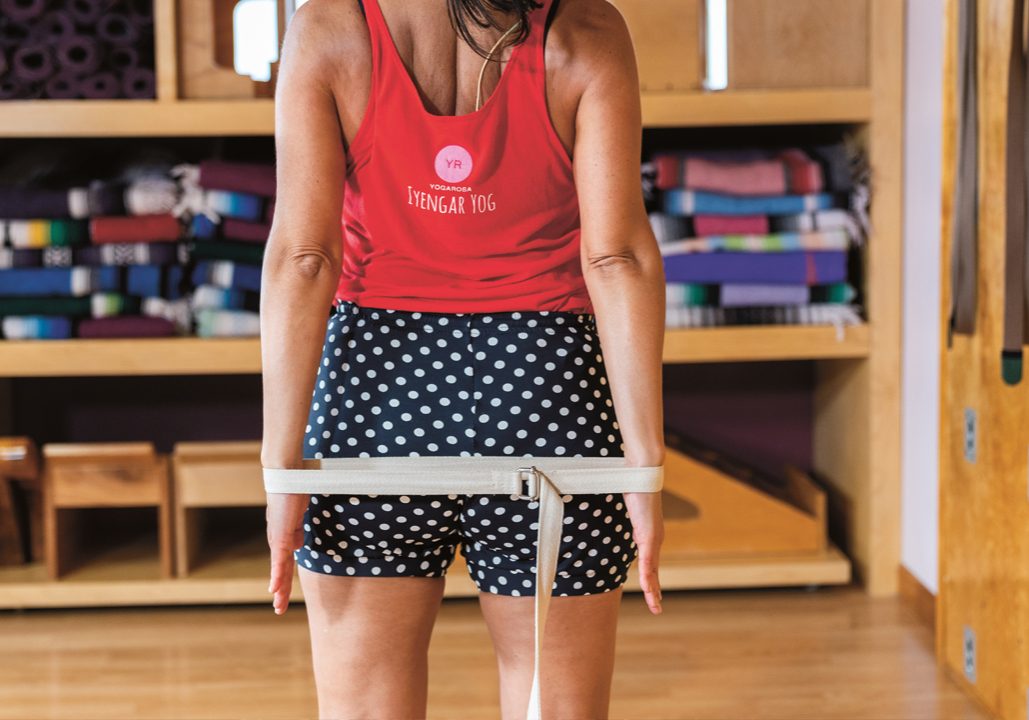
[(209, 475), (714, 506), (102, 475), (19, 471)]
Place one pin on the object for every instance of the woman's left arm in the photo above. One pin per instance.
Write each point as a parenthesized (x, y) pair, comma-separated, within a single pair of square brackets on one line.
[(301, 268)]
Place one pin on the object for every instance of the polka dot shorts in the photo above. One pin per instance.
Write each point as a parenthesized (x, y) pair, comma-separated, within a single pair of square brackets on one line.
[(520, 383)]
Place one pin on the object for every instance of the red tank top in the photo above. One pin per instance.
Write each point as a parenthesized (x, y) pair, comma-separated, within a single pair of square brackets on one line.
[(460, 213)]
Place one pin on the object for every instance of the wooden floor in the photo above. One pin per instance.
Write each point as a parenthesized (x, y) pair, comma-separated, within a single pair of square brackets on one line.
[(739, 655)]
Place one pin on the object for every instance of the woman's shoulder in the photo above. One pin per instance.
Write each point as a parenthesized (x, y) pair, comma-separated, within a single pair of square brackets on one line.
[(587, 36), (333, 36)]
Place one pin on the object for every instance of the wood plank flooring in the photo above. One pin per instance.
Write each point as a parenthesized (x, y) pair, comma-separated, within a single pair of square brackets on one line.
[(825, 654)]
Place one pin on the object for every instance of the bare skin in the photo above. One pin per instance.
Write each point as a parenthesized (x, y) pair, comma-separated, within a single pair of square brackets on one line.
[(370, 635)]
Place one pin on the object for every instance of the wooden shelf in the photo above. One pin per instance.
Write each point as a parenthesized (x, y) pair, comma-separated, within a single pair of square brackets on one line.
[(238, 356), (136, 118), (140, 356), (756, 107), (256, 116), (240, 575), (765, 342)]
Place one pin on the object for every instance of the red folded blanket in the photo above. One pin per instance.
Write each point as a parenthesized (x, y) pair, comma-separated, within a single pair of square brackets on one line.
[(784, 172), (134, 228), (704, 225)]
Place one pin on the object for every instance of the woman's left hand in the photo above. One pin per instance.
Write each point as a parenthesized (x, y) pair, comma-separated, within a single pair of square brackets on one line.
[(285, 518)]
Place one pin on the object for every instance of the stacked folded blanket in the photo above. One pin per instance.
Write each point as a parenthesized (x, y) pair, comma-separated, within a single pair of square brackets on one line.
[(228, 241), (757, 236), (105, 260)]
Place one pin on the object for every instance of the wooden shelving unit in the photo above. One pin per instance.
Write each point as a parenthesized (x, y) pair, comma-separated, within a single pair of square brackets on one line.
[(857, 408)]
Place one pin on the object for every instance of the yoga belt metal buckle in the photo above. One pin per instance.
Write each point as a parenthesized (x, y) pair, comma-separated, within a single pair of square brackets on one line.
[(532, 483)]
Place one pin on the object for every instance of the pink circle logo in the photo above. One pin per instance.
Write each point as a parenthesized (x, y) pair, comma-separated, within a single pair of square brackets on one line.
[(453, 164)]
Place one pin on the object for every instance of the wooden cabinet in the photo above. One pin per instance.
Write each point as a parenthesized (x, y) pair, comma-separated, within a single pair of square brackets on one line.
[(763, 44), (777, 44), (668, 36)]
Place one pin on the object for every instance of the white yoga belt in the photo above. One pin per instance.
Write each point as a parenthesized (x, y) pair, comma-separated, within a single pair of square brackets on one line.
[(541, 478)]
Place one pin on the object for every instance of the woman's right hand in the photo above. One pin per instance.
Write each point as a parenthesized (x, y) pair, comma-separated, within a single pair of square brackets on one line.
[(285, 518), (648, 531)]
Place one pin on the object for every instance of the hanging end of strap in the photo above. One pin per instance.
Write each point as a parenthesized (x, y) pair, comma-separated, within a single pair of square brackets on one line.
[(1011, 366)]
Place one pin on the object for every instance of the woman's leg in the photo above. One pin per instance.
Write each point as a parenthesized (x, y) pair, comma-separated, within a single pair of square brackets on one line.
[(369, 642), (578, 653)]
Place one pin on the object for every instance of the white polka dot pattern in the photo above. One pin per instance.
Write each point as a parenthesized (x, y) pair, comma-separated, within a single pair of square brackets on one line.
[(520, 383)]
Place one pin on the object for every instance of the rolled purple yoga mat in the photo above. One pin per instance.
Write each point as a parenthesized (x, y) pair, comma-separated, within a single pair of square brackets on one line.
[(141, 12), (13, 35), (62, 86), (32, 63), (100, 86), (126, 326), (116, 28), (254, 178), (106, 197), (120, 57), (10, 88), (21, 10), (79, 55), (86, 12), (138, 83), (31, 203), (53, 27)]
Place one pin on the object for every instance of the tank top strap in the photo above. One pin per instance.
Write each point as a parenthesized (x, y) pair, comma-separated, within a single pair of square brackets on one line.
[(529, 77)]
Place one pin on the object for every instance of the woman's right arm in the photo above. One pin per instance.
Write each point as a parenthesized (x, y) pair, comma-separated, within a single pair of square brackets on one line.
[(301, 263), (621, 261)]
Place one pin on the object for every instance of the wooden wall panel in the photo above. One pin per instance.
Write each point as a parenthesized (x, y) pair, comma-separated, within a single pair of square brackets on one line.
[(798, 43), (984, 513)]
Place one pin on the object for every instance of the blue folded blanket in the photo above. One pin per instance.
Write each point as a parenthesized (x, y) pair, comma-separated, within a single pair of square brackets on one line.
[(696, 202), (227, 274), (31, 282)]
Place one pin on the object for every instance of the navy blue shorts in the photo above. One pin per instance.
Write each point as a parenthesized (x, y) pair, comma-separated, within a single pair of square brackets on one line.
[(409, 383)]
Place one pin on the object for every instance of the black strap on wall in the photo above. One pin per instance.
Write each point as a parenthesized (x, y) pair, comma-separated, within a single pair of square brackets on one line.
[(1016, 201), (965, 225)]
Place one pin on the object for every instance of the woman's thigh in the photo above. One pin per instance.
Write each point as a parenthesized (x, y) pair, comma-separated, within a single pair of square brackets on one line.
[(369, 642), (578, 653)]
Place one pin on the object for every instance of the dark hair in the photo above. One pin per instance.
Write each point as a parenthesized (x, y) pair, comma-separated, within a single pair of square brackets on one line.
[(478, 11)]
